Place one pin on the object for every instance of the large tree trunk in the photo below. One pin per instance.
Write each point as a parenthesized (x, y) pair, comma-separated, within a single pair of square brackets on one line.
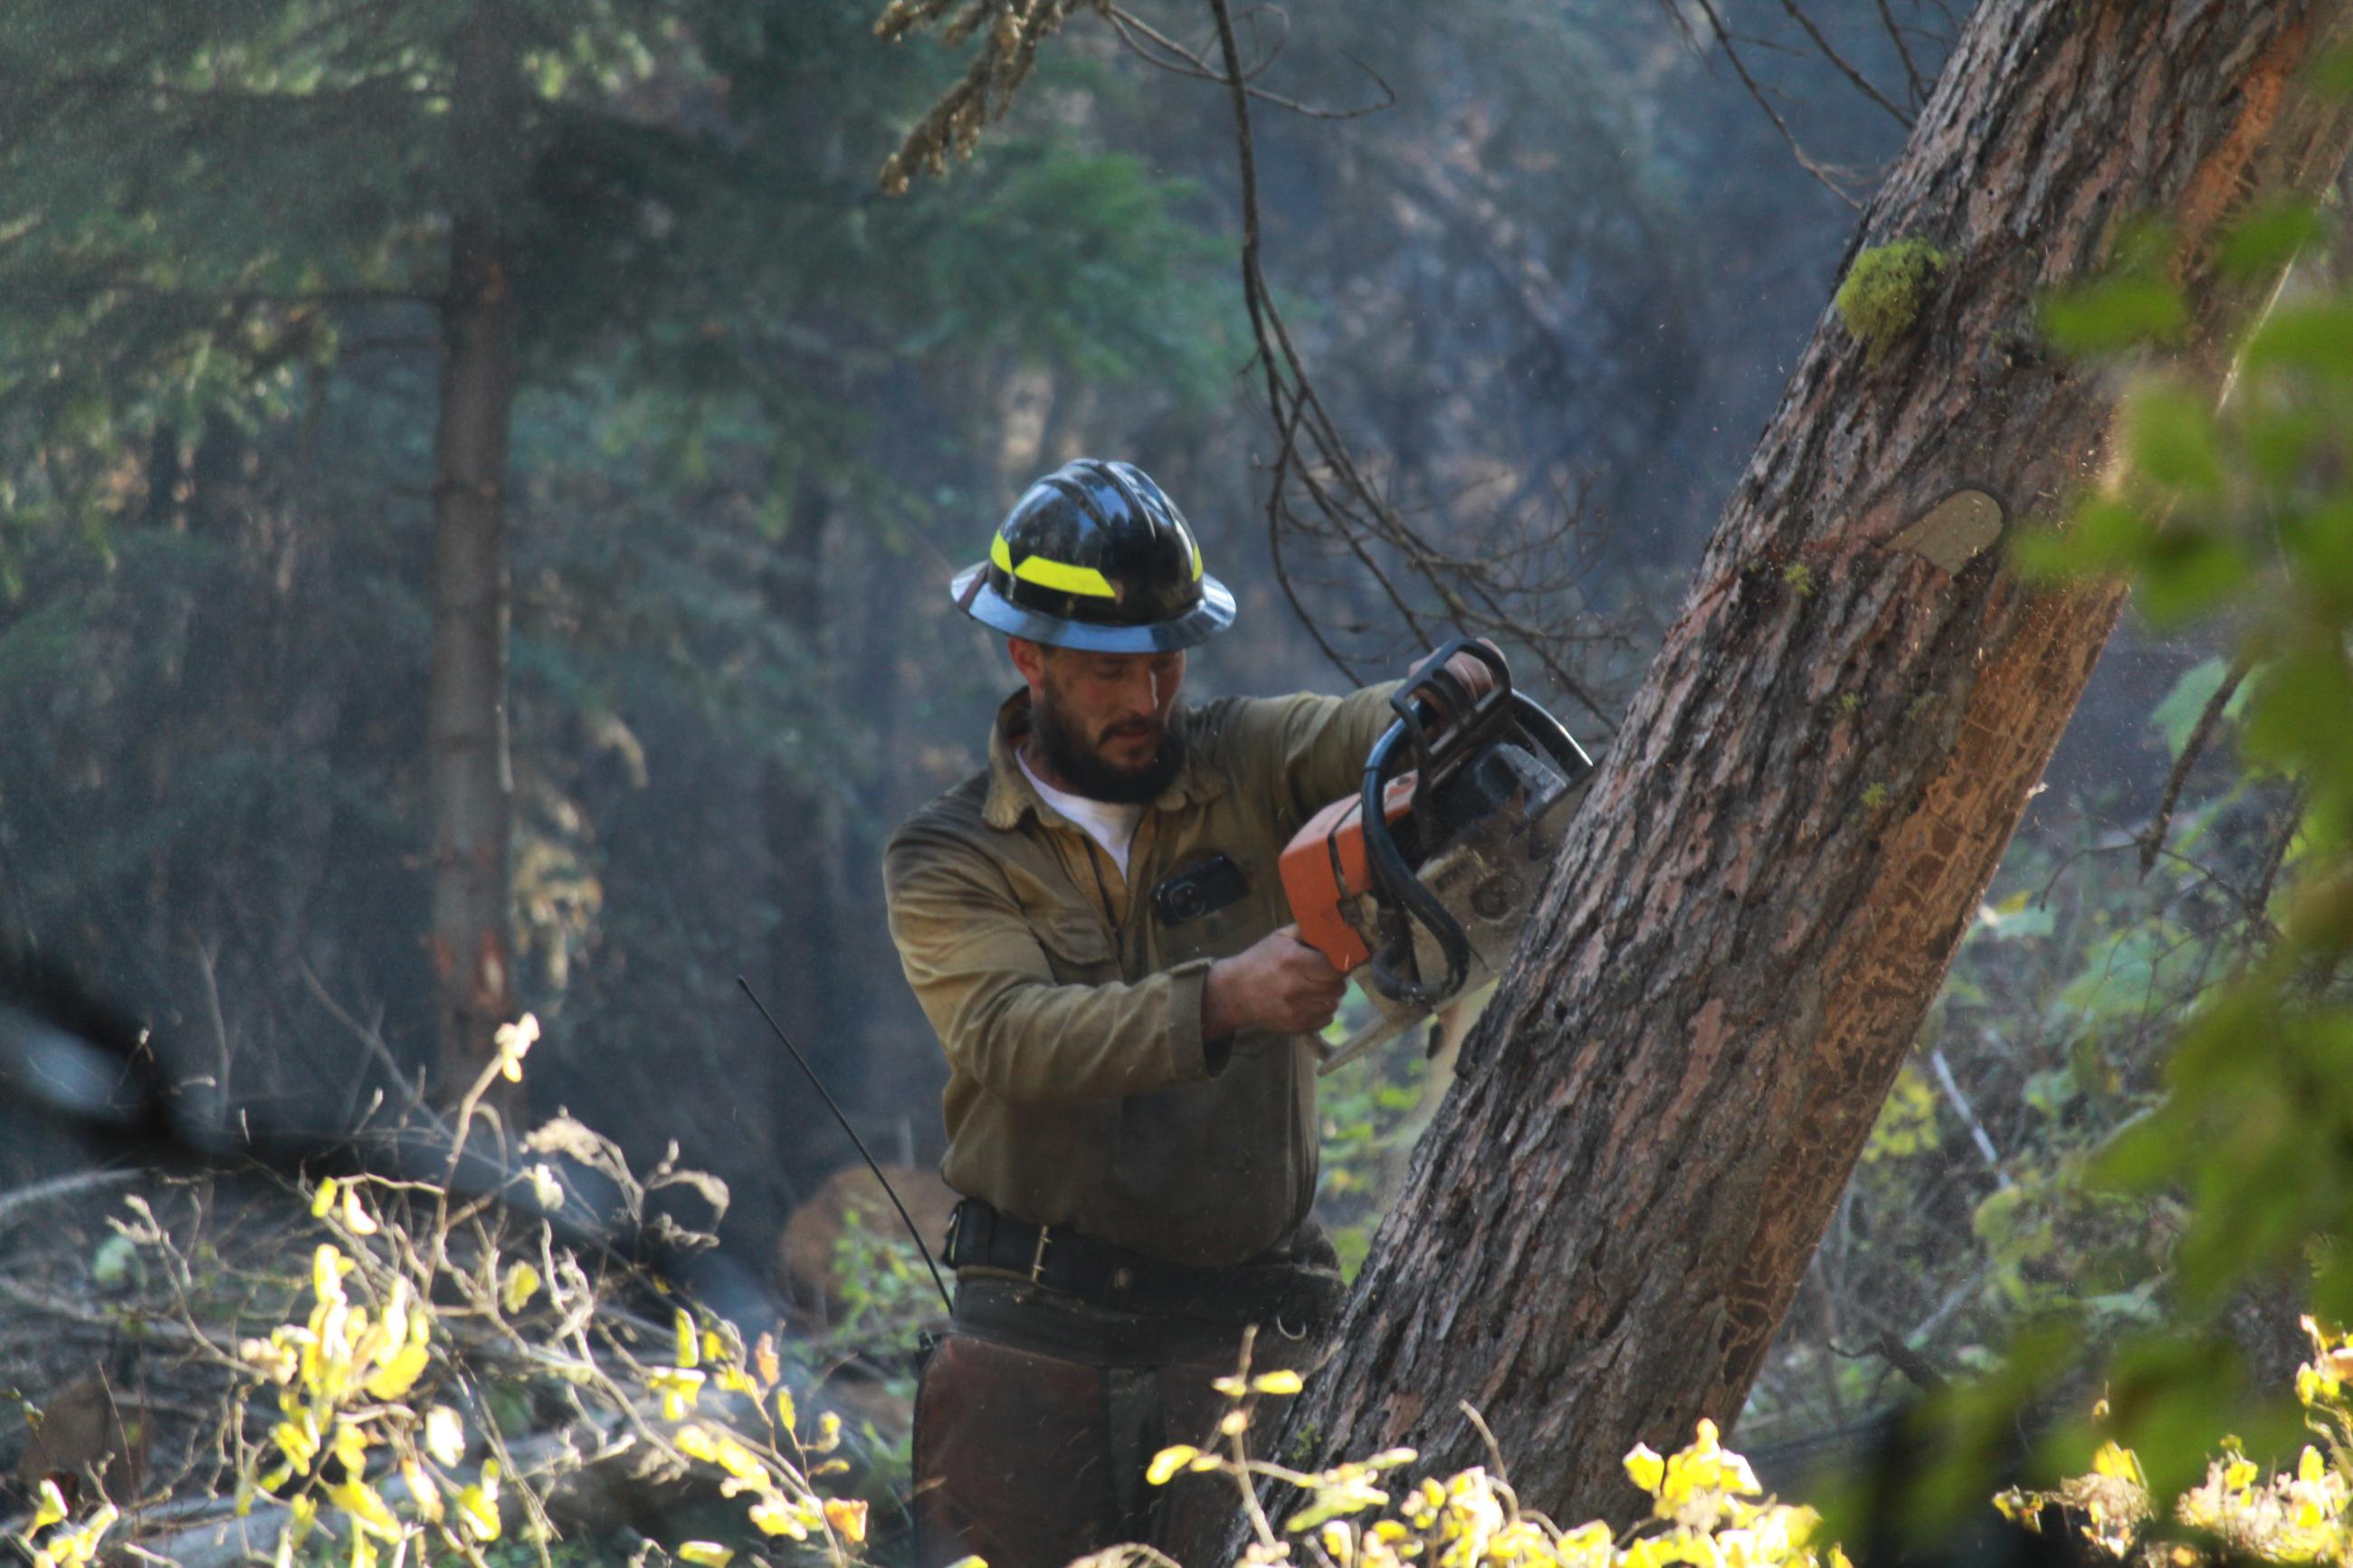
[(1664, 1099), (471, 783)]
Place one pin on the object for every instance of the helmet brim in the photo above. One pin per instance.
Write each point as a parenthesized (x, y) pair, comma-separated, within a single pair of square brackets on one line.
[(984, 604)]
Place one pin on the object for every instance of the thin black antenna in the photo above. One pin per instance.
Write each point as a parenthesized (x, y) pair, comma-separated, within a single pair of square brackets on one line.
[(818, 1084)]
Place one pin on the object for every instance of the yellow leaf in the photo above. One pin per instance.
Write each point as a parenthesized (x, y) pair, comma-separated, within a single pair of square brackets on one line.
[(477, 1506), (356, 1219), (1646, 1468), (689, 1343), (679, 1386), (1231, 1387), (52, 1507), (1232, 1424), (514, 1042), (787, 1415), (299, 1444), (764, 1362), (350, 1444), (302, 1514), (772, 1515), (328, 1268), (1167, 1462), (2120, 1463), (423, 1495), (362, 1549), (367, 1511), (445, 1434), (829, 1433), (400, 1372), (2311, 1467), (970, 1562), (324, 1198), (848, 1517), (522, 1284), (739, 1461), (1277, 1383), (706, 1554)]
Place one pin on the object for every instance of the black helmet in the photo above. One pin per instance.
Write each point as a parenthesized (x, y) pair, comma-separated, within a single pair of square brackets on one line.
[(1093, 557)]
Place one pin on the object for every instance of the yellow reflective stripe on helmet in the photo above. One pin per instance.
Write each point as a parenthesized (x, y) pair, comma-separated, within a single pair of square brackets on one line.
[(1084, 580), (1196, 561)]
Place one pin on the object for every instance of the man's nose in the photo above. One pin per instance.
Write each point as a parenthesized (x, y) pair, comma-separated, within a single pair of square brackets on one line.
[(1140, 694)]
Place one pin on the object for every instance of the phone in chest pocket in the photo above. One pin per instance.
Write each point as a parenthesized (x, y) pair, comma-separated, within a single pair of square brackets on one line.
[(1190, 896)]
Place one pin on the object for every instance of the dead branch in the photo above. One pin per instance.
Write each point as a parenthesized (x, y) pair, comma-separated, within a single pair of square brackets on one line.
[(62, 1186), (2152, 841)]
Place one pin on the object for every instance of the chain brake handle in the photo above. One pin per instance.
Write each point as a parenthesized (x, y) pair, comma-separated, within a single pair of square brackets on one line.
[(1443, 724)]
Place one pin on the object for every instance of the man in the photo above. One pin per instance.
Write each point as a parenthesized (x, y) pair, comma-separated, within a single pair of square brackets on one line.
[(1096, 928)]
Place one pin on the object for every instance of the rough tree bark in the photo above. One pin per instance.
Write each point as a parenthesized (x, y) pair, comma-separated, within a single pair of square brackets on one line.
[(472, 783), (1657, 1113)]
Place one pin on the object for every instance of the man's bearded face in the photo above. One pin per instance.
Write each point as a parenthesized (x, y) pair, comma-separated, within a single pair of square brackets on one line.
[(1104, 725)]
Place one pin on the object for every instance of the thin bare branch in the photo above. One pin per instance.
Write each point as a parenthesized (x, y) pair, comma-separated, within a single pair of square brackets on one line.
[(1820, 171), (1862, 83), (1915, 83), (1161, 52)]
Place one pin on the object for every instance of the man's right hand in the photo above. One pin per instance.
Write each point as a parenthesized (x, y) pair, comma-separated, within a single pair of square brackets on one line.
[(1279, 985)]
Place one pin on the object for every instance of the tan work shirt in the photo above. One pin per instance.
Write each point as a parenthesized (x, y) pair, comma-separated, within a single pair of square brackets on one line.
[(1079, 1089)]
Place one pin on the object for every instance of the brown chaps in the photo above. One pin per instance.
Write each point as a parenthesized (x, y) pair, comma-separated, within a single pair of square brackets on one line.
[(1032, 1458)]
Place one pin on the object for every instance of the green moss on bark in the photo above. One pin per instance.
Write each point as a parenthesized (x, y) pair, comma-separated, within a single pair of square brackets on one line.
[(1881, 297)]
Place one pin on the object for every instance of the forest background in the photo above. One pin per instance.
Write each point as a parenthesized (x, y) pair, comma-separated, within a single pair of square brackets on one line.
[(1550, 285)]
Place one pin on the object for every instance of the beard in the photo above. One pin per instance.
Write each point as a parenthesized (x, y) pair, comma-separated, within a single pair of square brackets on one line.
[(1078, 760)]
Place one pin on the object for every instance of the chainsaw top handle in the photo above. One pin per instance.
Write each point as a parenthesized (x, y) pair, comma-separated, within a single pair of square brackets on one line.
[(1438, 724), (1442, 722)]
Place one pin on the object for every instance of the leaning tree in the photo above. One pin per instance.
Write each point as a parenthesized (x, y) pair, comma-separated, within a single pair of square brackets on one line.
[(1653, 1120)]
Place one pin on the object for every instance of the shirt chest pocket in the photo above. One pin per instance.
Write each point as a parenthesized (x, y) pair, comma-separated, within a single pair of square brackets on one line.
[(1078, 948), (1211, 909)]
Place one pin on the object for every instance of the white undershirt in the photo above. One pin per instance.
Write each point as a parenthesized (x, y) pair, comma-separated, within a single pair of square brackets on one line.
[(1111, 825)]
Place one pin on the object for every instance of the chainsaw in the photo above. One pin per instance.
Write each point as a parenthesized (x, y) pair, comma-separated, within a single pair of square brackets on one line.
[(1418, 883)]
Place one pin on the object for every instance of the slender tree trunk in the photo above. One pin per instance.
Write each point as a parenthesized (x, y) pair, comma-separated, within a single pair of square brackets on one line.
[(1656, 1116), (805, 977), (472, 787)]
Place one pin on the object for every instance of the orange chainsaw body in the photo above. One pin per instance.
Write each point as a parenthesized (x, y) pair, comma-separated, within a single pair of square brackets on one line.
[(1326, 878)]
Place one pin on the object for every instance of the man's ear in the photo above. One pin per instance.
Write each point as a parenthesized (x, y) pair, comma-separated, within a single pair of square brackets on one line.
[(1028, 660)]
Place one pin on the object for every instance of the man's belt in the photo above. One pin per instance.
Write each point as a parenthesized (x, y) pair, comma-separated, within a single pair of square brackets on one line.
[(1058, 1258)]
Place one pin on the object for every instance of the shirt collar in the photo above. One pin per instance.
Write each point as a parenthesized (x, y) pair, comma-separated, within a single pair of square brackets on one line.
[(1010, 795)]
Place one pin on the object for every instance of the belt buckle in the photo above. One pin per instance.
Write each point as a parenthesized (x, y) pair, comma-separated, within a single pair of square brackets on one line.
[(1038, 1257)]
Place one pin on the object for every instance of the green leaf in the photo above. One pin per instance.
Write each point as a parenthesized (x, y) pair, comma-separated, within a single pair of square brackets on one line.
[(2178, 714), (2170, 438), (2264, 240), (2315, 337), (2113, 314)]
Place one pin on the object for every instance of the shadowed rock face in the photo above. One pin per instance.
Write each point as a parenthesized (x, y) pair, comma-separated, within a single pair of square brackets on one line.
[(91, 1433), (806, 1247)]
